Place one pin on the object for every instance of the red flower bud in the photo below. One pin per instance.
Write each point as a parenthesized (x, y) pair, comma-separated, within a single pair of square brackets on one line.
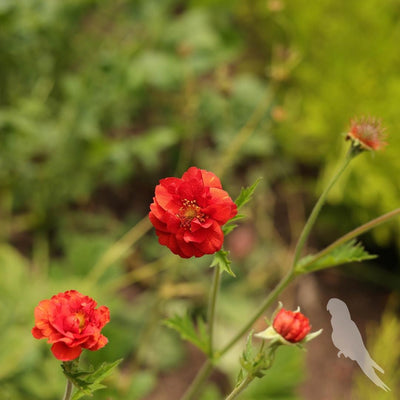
[(70, 322), (291, 325)]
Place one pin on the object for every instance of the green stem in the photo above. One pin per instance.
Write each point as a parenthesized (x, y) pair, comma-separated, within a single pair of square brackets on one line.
[(68, 390), (318, 205), (262, 368), (267, 302), (208, 365), (198, 382), (211, 309), (239, 389), (354, 233)]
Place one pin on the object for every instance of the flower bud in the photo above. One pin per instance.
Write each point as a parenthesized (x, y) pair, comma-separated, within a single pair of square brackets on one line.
[(292, 326), (289, 327)]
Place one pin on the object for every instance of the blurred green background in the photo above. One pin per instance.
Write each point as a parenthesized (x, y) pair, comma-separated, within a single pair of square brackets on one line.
[(99, 99)]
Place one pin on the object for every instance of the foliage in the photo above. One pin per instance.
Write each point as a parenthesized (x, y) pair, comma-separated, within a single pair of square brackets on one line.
[(87, 381), (348, 252), (101, 98), (222, 260), (185, 327)]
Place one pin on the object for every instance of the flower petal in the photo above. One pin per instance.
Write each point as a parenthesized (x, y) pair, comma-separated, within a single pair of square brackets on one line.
[(64, 353)]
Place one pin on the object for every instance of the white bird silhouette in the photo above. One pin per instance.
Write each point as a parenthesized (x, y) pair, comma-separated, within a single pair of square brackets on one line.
[(347, 339)]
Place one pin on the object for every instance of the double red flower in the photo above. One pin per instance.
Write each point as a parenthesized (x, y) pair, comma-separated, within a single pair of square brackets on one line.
[(70, 322), (188, 213)]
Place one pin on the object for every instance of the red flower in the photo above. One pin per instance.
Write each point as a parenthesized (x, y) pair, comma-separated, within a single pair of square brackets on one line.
[(188, 213), (367, 133), (70, 322), (291, 325)]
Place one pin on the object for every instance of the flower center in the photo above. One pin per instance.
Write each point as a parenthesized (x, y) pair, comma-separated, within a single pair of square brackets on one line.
[(188, 212), (80, 316)]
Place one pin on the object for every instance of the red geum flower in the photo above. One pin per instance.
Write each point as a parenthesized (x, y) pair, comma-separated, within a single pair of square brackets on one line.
[(70, 322), (188, 213), (367, 132), (293, 326)]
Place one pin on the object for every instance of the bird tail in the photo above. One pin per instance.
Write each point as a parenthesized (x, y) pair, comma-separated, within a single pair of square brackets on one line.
[(368, 370), (376, 366)]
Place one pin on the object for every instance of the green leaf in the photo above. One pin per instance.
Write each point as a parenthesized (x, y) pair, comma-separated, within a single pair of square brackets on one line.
[(221, 259), (230, 225), (351, 251), (87, 381), (187, 330), (244, 197), (246, 194)]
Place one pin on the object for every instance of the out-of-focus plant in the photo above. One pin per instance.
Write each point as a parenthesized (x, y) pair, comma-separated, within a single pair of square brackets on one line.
[(98, 99)]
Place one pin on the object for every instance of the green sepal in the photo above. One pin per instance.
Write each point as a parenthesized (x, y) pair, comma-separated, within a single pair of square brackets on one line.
[(87, 381), (222, 260)]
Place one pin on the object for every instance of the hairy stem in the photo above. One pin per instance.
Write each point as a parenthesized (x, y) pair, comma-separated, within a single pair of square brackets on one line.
[(211, 309), (239, 389), (68, 390), (317, 208)]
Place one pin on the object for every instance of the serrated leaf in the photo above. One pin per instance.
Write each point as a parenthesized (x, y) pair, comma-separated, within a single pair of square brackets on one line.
[(88, 391), (88, 381), (246, 194), (187, 330), (244, 197), (351, 251), (221, 259)]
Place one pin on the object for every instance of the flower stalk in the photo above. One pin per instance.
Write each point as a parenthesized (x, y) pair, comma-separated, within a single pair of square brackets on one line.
[(353, 151), (211, 309), (68, 390), (239, 389)]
